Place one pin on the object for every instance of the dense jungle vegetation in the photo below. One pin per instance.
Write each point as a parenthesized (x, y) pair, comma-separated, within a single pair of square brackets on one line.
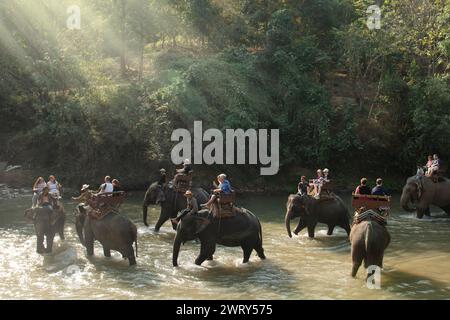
[(104, 99)]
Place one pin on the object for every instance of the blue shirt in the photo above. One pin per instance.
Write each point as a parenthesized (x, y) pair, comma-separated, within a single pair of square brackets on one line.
[(379, 191), (225, 186)]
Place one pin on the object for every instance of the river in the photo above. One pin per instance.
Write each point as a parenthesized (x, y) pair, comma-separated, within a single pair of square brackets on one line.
[(416, 262)]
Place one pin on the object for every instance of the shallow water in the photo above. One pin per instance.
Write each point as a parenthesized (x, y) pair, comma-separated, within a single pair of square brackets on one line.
[(416, 262)]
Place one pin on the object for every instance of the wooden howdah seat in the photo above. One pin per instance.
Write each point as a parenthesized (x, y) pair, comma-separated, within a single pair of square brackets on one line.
[(110, 200), (182, 182), (104, 203), (371, 215), (224, 206), (326, 192), (371, 202)]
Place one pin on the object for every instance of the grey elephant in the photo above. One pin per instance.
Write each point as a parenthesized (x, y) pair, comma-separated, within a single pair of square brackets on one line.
[(423, 192), (47, 223), (368, 240), (311, 211), (242, 230), (113, 231), (173, 202)]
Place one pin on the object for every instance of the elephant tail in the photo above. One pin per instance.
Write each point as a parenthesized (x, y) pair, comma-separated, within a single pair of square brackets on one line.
[(260, 233), (368, 241)]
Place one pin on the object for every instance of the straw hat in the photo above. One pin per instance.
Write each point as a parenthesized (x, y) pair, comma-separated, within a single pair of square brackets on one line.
[(84, 187)]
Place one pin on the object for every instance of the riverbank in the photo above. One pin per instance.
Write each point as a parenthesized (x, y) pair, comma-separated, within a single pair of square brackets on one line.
[(244, 180)]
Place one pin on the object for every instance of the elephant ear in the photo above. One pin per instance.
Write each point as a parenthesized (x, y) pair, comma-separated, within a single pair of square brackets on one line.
[(200, 224), (54, 216), (29, 215), (419, 188)]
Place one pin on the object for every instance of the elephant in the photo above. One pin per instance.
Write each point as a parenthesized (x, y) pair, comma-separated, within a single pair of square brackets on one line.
[(331, 211), (423, 192), (173, 203), (47, 223), (368, 241), (113, 231), (244, 229)]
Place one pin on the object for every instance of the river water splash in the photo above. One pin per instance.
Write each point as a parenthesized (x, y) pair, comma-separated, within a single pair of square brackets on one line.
[(416, 262)]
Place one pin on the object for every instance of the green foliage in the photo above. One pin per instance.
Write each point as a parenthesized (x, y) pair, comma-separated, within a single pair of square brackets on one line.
[(106, 98)]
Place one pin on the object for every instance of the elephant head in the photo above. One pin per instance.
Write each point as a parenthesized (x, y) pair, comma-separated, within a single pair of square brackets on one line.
[(188, 229), (29, 215), (412, 191), (296, 206), (80, 217), (40, 215), (154, 194)]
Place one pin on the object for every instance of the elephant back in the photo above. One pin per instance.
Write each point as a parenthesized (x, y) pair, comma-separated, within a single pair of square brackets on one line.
[(224, 206)]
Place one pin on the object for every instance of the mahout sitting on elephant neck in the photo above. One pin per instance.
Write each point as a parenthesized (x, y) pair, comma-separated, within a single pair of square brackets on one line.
[(174, 203)]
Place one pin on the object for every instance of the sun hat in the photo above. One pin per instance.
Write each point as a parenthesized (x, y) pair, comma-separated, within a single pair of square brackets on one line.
[(84, 187)]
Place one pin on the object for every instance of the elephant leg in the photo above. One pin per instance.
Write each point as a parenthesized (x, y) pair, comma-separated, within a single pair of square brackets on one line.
[(301, 225), (61, 231), (144, 214), (206, 251), (446, 209), (130, 255), (89, 243), (132, 260), (357, 259), (311, 228), (422, 211), (346, 227), (247, 252), (259, 250), (330, 230), (40, 243), (210, 258), (49, 239), (160, 222), (106, 252)]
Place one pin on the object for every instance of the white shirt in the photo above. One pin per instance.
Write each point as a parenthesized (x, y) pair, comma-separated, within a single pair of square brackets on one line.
[(107, 187), (53, 187), (40, 187)]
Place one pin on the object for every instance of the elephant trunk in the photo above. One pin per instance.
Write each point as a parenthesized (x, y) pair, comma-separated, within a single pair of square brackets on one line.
[(404, 202), (176, 250), (79, 228), (287, 220)]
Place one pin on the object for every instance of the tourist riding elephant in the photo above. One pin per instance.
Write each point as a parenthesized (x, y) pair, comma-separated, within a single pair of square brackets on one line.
[(331, 211), (423, 192), (173, 202), (47, 223), (113, 231), (368, 240), (242, 230)]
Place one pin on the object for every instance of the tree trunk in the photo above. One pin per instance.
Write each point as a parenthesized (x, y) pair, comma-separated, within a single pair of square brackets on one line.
[(141, 61), (123, 62)]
